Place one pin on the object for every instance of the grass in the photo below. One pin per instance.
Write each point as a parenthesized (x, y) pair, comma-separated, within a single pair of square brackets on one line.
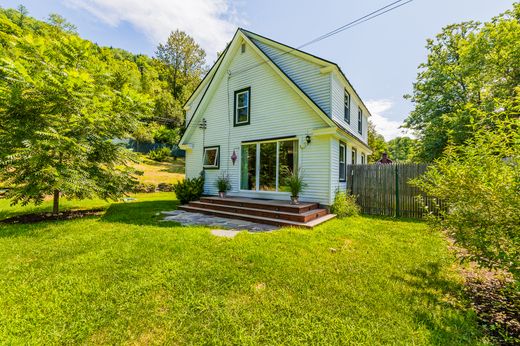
[(160, 172), (125, 277)]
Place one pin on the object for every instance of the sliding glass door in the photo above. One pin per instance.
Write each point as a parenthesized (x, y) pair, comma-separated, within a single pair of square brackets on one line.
[(265, 165)]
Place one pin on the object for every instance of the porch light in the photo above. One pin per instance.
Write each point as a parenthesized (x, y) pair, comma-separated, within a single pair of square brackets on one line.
[(308, 139)]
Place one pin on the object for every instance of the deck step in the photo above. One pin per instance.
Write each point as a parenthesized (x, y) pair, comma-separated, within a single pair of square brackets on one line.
[(297, 217), (282, 206), (258, 219)]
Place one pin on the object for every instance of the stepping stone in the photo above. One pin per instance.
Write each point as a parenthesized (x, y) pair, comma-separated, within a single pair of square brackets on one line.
[(226, 233)]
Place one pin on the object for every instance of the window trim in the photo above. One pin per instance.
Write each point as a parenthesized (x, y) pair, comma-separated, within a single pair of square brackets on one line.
[(360, 121), (217, 159), (346, 109), (344, 145), (354, 156), (235, 114), (363, 159)]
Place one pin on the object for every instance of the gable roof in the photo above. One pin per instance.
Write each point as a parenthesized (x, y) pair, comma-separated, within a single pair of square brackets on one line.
[(304, 55), (207, 83)]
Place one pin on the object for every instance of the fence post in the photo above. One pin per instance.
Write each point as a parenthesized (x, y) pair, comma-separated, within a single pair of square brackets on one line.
[(397, 211)]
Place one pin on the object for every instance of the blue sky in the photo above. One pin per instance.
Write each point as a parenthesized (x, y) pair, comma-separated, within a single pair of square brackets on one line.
[(380, 57)]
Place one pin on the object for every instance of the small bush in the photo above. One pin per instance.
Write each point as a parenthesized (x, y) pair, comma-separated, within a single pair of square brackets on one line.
[(145, 187), (165, 187), (344, 205), (159, 154), (189, 189)]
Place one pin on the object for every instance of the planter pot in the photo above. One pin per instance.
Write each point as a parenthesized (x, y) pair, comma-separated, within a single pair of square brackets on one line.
[(222, 194), (295, 200)]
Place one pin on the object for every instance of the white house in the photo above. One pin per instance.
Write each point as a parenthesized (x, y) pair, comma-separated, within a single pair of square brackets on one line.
[(264, 106)]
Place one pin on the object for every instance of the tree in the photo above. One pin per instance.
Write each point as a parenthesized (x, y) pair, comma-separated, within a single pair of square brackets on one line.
[(61, 23), (376, 142), (401, 149), (470, 66), (58, 116), (184, 61), (479, 184)]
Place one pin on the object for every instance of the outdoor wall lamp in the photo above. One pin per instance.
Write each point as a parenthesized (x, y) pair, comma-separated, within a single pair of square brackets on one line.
[(308, 139)]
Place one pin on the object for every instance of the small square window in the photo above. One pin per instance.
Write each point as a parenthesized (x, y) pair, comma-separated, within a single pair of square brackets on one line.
[(242, 107), (211, 157)]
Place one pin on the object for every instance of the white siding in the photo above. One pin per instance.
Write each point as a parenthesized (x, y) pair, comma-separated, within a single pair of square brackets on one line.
[(338, 113), (276, 111), (194, 103), (304, 73)]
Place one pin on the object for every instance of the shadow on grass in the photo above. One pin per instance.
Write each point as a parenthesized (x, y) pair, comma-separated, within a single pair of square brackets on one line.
[(443, 314), (393, 218), (140, 213)]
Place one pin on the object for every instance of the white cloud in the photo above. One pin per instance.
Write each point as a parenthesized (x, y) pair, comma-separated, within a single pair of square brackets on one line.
[(210, 22), (385, 126)]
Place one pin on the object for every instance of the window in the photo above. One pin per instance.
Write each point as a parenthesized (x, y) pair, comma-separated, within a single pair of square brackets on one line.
[(354, 156), (265, 165), (242, 107), (342, 161), (243, 48), (211, 157), (360, 121), (363, 159), (347, 107)]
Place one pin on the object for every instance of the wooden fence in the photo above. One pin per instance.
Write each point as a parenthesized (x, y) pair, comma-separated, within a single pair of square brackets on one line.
[(385, 189)]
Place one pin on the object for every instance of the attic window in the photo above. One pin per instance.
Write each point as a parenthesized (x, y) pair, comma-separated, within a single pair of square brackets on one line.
[(346, 113), (243, 48)]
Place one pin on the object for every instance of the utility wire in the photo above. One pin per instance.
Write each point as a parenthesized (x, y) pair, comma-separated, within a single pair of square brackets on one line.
[(347, 26)]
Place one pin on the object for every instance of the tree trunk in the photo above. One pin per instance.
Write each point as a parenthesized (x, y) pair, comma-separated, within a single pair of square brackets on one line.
[(56, 203)]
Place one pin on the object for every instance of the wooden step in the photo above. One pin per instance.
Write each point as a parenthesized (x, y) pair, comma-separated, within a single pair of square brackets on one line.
[(297, 217), (258, 219), (283, 206)]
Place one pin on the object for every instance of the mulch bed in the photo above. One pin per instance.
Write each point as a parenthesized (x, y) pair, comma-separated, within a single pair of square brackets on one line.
[(64, 215)]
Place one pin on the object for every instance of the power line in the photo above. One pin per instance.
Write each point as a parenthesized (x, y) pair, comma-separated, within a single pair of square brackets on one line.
[(365, 18)]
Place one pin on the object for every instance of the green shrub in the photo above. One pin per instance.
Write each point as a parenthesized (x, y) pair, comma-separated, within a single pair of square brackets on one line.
[(479, 184), (344, 205), (189, 189), (165, 187), (145, 187), (159, 154)]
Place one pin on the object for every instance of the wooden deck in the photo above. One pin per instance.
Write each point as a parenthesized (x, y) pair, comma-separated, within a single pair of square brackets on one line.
[(271, 212)]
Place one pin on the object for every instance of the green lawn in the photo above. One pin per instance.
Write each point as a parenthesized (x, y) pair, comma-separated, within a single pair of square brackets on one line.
[(126, 278)]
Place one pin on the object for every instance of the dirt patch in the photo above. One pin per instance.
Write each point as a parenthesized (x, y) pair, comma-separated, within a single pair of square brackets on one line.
[(39, 217)]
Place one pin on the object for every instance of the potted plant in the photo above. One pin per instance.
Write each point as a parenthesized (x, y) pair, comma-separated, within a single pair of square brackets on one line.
[(294, 180), (223, 185)]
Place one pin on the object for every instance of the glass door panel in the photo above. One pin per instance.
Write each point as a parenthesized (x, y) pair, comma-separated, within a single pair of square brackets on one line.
[(268, 166), (248, 167), (287, 162)]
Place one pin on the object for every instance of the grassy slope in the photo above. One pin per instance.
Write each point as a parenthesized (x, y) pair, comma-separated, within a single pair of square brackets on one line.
[(160, 172), (125, 277)]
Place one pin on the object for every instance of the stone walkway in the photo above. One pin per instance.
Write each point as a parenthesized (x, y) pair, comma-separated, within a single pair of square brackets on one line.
[(226, 227)]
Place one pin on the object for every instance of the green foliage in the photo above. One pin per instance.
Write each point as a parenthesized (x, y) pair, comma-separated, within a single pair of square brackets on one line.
[(344, 205), (376, 142), (190, 189), (222, 182), (480, 185), (160, 154), (401, 149), (294, 180), (470, 66), (63, 99)]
